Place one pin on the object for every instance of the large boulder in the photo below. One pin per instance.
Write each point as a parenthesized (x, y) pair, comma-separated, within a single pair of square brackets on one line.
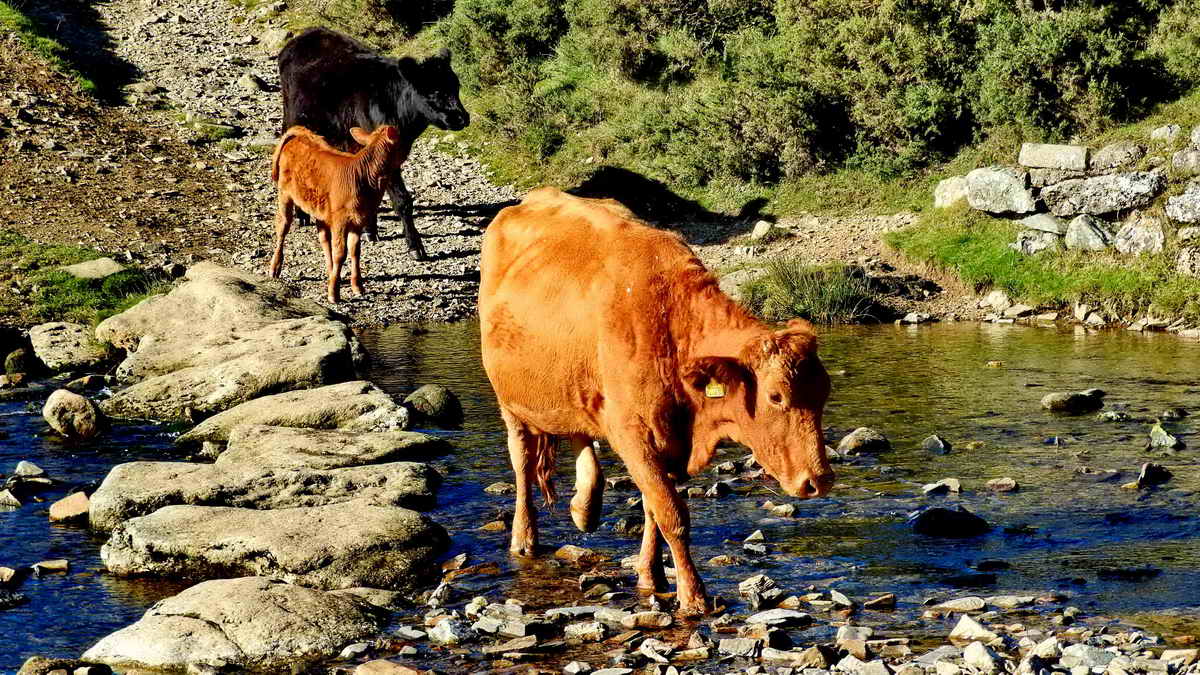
[(1185, 208), (294, 448), (1117, 155), (67, 346), (1088, 233), (72, 415), (950, 192), (220, 338), (1187, 161), (94, 269), (244, 624), (330, 547), (1141, 233), (217, 371), (1050, 156), (437, 404), (350, 406), (999, 189), (140, 488), (1104, 194)]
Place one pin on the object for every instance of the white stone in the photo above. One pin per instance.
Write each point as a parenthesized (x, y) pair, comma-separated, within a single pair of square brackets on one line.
[(1050, 156), (950, 192)]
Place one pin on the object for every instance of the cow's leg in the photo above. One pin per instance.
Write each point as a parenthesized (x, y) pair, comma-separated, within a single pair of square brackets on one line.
[(337, 236), (326, 249), (283, 221), (651, 576), (589, 485), (355, 241), (403, 201), (669, 514), (522, 453)]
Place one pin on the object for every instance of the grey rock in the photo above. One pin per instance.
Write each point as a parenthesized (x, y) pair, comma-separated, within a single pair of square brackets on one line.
[(1185, 208), (331, 547), (248, 623), (1117, 155), (1085, 655), (997, 300), (1088, 233), (783, 618), (1040, 178), (1187, 234), (1187, 161), (863, 441), (854, 633), (1018, 311), (1050, 156), (940, 522), (744, 647), (1045, 223), (1000, 190), (94, 269), (256, 445), (72, 415), (67, 346), (1075, 403), (950, 192), (1104, 194), (979, 657), (27, 469), (437, 404), (588, 631), (251, 82), (915, 318), (451, 631), (140, 488), (761, 229), (1168, 133), (349, 406), (1159, 438), (936, 445), (1030, 242), (966, 604), (968, 629), (1141, 233), (1196, 136)]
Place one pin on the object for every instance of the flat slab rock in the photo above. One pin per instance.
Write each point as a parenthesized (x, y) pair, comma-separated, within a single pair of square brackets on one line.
[(330, 547), (1104, 194), (349, 406), (67, 346), (141, 488), (249, 623), (290, 447)]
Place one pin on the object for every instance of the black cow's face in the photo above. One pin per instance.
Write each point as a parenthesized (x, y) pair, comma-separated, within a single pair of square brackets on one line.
[(438, 91)]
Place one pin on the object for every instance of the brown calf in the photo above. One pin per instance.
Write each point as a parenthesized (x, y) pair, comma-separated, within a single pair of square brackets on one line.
[(597, 326), (340, 190)]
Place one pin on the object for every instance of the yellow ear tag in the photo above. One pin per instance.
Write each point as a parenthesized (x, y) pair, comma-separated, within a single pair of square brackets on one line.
[(714, 389)]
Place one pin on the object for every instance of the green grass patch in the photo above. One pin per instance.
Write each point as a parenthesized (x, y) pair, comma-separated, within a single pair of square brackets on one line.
[(35, 38), (974, 246), (820, 293), (55, 295)]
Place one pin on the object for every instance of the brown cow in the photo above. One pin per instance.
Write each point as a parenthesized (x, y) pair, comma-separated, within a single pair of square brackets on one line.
[(594, 326), (340, 190)]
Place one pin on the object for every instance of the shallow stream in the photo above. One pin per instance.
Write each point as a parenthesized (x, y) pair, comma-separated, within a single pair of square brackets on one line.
[(1059, 532)]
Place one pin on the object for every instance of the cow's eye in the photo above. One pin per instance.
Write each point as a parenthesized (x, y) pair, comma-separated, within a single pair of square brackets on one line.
[(776, 398)]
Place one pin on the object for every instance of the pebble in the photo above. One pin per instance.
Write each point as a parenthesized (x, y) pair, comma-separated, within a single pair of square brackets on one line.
[(578, 555), (936, 445), (647, 620), (28, 470), (1005, 484)]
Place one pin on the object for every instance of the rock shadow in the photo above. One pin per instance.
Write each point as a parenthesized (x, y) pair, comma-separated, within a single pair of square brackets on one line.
[(88, 48)]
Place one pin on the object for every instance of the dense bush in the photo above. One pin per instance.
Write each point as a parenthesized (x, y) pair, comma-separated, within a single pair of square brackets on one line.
[(693, 92), (825, 294)]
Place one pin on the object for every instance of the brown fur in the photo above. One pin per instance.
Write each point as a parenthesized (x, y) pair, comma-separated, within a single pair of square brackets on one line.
[(340, 190), (596, 326)]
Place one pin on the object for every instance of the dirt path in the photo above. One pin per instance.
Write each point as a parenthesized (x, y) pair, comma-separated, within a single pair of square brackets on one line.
[(148, 181)]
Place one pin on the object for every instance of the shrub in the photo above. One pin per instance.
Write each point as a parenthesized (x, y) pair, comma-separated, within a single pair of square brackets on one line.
[(825, 294), (1176, 41)]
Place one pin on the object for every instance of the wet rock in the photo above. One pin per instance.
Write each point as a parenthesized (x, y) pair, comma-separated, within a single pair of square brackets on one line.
[(743, 647), (979, 657), (26, 469), (501, 488), (950, 192), (1010, 601), (916, 318), (384, 667), (140, 488), (247, 623), (854, 634), (1117, 155), (942, 487), (1006, 484), (350, 406), (1085, 655), (70, 508), (451, 631), (437, 404), (1050, 156), (718, 490), (1159, 438), (72, 415), (939, 522), (41, 665), (1104, 194), (578, 555), (656, 650), (1000, 190), (839, 598), (1141, 233), (9, 599), (20, 362), (1075, 403), (331, 547), (885, 601), (725, 560), (1150, 475), (67, 346), (782, 618), (263, 446), (936, 445), (8, 500), (968, 630), (1185, 208), (863, 441), (1088, 233), (590, 631), (577, 668), (647, 620), (760, 591), (967, 604)]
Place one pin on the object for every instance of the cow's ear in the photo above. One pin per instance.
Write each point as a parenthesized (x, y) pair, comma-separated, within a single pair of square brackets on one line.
[(361, 137), (391, 134), (716, 377)]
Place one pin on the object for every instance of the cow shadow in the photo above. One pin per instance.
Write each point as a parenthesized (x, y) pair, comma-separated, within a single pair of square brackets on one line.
[(652, 201), (87, 47)]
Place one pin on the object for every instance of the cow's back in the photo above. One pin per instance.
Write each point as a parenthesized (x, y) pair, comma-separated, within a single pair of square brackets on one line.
[(570, 290)]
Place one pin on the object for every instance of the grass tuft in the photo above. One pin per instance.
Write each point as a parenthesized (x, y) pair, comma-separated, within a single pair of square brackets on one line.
[(824, 294), (38, 40)]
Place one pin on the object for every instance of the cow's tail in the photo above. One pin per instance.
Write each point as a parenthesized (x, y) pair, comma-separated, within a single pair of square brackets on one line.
[(287, 136), (545, 458)]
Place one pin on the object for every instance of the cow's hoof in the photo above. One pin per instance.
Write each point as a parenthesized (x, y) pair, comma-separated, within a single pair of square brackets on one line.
[(693, 607), (524, 551), (585, 516)]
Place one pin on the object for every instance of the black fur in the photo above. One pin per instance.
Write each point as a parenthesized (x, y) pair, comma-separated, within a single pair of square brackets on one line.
[(331, 83)]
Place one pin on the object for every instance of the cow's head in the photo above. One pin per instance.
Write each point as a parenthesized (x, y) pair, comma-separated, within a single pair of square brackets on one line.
[(437, 89), (770, 398)]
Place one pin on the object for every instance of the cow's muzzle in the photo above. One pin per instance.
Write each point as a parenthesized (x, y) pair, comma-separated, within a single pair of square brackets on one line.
[(807, 485)]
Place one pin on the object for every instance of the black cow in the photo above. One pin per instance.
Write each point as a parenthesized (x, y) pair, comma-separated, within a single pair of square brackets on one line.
[(332, 83)]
